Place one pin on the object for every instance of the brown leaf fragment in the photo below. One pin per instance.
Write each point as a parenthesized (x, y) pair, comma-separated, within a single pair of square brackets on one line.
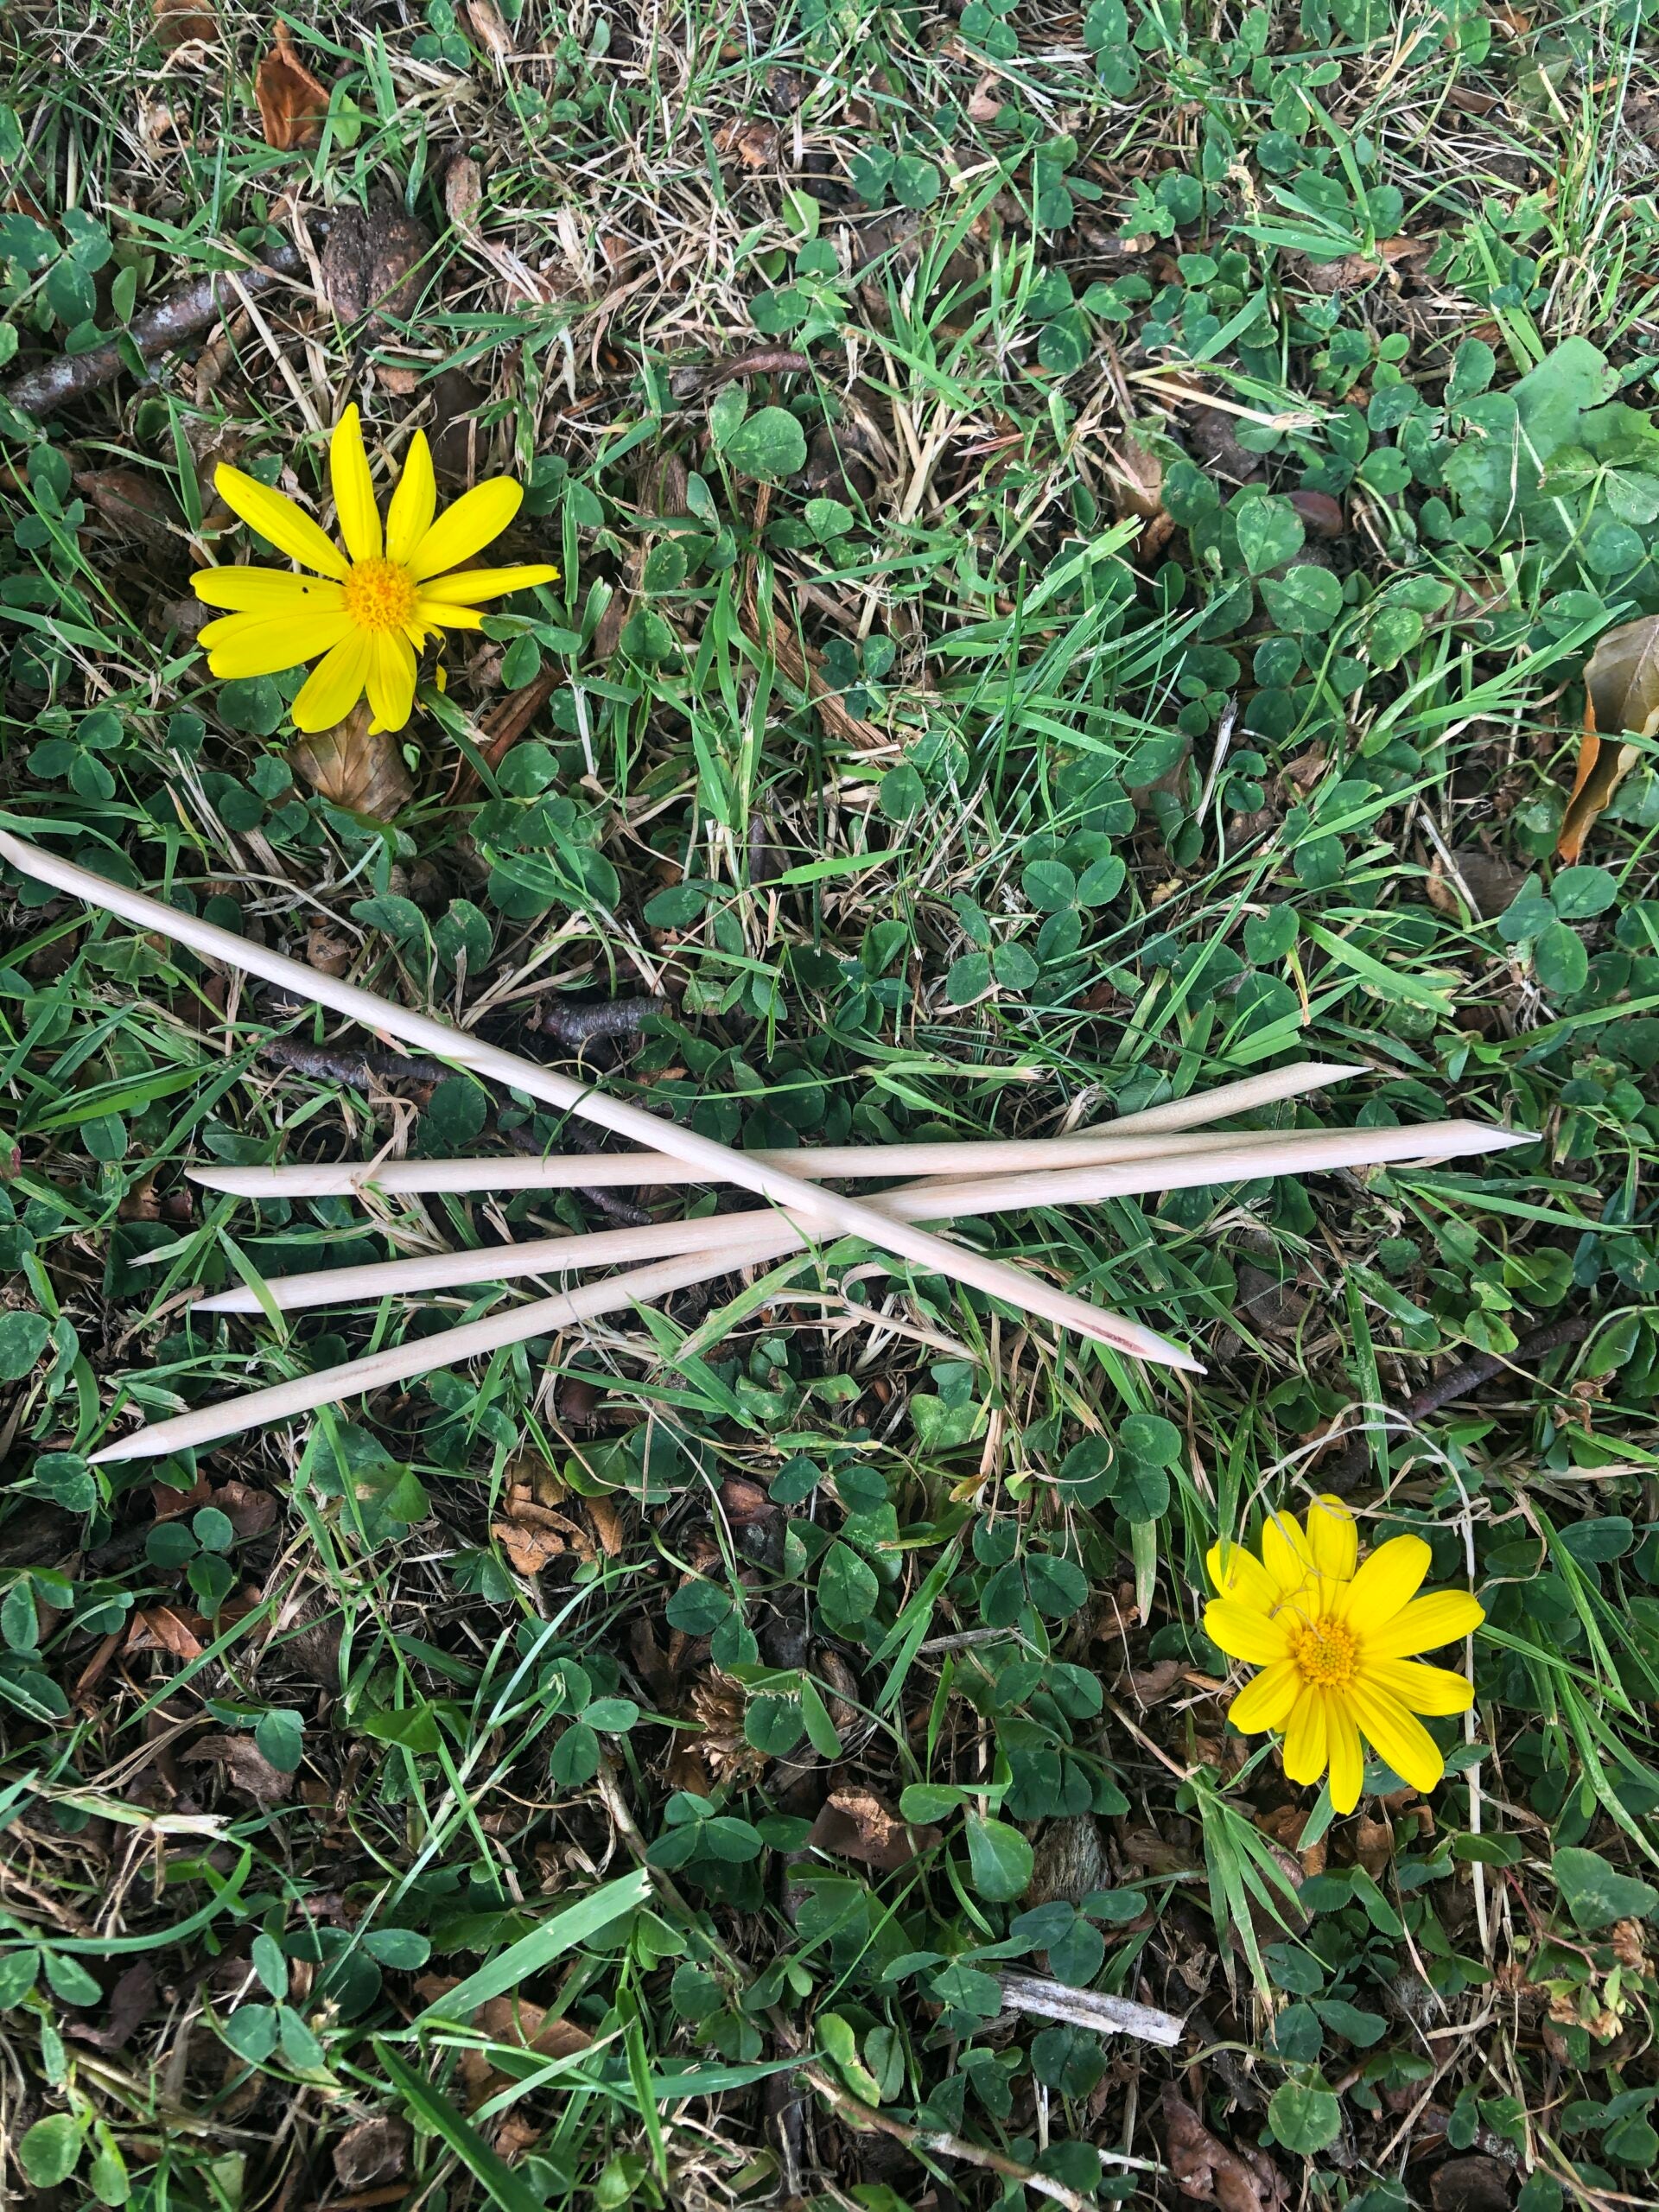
[(352, 769), (489, 29), (1476, 2184), (292, 104), (1621, 692), (1373, 1845), (855, 1824), (525, 2026), (755, 143), (249, 1512), (184, 23), (126, 2008), (1152, 1684), (375, 2149), (1208, 2173), (160, 1629), (245, 1766)]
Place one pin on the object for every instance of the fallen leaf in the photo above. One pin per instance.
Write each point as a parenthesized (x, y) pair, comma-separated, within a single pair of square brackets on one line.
[(184, 23), (243, 1765), (362, 773), (1208, 2173), (1319, 513), (292, 104), (525, 2026), (488, 28), (128, 2005), (607, 1525), (747, 1503), (532, 1535), (375, 2149), (463, 188), (1621, 692), (855, 1824), (755, 144), (988, 99), (160, 1629)]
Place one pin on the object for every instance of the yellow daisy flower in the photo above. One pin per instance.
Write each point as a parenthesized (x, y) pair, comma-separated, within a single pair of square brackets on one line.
[(370, 609), (1337, 1644)]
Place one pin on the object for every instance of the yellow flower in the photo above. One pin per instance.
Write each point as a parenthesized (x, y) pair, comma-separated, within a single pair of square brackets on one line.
[(377, 601), (1336, 1643)]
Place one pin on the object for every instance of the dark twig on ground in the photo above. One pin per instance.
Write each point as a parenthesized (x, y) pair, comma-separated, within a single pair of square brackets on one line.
[(355, 1065), (1346, 1468), (576, 1026), (172, 322)]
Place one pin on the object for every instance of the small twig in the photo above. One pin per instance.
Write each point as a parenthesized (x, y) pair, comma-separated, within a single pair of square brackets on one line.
[(355, 1065), (51, 384), (1350, 1464), (1094, 2009), (576, 1026)]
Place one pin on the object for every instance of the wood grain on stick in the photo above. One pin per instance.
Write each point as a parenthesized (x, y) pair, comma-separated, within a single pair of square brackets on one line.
[(1305, 1153), (830, 1209)]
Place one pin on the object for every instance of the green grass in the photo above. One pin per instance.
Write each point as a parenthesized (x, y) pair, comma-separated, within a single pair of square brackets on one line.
[(321, 1799)]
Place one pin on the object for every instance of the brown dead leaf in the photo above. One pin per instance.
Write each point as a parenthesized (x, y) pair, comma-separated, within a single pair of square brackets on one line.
[(327, 952), (1319, 513), (489, 29), (1621, 692), (133, 505), (514, 2021), (988, 99), (1490, 882), (855, 1824), (755, 143), (747, 1503), (243, 1765), (1208, 2173), (160, 1629), (375, 2149), (607, 1525), (292, 104), (249, 1512), (463, 188), (184, 23), (348, 768), (533, 1534)]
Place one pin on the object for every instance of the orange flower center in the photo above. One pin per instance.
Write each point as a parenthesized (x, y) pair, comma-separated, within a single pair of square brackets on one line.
[(1326, 1654), (380, 595)]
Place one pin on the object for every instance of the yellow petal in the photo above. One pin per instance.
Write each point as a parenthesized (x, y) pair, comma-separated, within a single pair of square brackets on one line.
[(1333, 1537), (1242, 1633), (441, 616), (260, 644), (335, 685), (1286, 1552), (468, 585), (278, 518), (413, 503), (1398, 1736), (264, 591), (466, 528), (1347, 1759), (392, 679), (1305, 1739), (1235, 1573), (1422, 1689), (1388, 1580), (1440, 1618), (1267, 1702), (354, 508)]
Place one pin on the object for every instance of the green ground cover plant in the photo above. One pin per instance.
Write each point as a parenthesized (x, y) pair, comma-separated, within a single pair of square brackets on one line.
[(1079, 535)]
